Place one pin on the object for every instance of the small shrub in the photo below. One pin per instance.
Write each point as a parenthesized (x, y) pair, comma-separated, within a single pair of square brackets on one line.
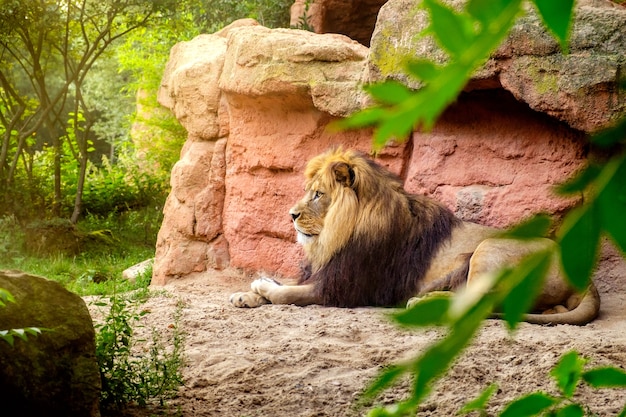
[(127, 376)]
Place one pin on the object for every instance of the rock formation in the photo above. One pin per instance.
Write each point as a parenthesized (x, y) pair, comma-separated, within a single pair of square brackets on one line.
[(580, 89), (56, 372), (257, 104), (263, 99)]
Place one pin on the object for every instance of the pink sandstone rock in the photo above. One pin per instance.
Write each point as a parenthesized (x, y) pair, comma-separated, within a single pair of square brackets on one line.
[(492, 160), (269, 97), (257, 104), (189, 87), (186, 235), (297, 68)]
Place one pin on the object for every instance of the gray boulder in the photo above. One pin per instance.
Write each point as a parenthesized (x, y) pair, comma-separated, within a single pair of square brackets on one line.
[(55, 373), (580, 89)]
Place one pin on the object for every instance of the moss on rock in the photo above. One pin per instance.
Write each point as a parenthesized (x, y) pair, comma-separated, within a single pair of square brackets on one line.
[(55, 373)]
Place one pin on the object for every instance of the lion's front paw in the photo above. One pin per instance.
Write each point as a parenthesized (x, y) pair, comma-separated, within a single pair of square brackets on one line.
[(264, 286), (247, 300), (414, 300)]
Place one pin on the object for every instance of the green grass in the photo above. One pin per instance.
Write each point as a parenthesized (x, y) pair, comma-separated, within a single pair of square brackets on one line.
[(95, 275), (112, 244)]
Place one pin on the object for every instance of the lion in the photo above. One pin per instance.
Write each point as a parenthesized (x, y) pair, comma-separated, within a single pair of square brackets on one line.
[(368, 242)]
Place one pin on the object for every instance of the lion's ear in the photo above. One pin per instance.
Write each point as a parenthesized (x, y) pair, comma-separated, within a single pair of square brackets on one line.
[(344, 174)]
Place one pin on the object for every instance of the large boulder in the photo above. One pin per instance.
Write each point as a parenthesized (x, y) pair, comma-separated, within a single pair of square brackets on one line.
[(493, 157), (580, 89), (191, 236), (55, 373), (52, 237)]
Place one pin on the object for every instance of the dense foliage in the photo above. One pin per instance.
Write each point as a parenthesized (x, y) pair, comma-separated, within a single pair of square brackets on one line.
[(49, 50), (72, 75)]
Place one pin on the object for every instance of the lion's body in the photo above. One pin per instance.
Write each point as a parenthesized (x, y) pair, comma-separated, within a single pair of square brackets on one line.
[(370, 243)]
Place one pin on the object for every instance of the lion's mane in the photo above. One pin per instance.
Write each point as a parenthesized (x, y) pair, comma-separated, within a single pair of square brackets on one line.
[(377, 240)]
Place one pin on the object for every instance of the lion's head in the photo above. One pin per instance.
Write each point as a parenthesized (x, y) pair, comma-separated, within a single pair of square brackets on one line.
[(346, 194)]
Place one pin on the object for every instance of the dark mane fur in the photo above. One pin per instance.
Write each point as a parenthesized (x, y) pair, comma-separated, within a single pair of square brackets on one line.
[(388, 270)]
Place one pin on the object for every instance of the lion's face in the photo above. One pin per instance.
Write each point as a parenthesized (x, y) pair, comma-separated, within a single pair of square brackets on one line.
[(324, 218), (308, 214)]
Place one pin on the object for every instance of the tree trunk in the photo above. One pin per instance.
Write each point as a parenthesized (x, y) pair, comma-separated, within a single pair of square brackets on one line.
[(80, 186)]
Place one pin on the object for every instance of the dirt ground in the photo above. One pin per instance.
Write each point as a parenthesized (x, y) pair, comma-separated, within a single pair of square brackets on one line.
[(314, 361)]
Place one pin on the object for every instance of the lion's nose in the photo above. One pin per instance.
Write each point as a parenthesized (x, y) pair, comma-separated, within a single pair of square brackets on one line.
[(294, 215)]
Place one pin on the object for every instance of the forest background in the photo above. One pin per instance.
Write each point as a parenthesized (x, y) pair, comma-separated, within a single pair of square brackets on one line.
[(86, 150)]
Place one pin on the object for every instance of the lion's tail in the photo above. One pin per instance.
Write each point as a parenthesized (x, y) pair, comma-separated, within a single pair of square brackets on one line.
[(585, 312)]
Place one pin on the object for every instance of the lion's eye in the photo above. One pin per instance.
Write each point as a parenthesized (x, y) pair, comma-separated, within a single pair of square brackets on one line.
[(317, 195)]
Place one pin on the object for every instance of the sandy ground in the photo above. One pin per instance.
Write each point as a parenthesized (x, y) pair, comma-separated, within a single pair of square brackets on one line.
[(314, 361)]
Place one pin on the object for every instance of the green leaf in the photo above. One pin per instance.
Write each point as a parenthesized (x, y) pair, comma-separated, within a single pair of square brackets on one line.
[(529, 275), (7, 337), (403, 408), (612, 200), (433, 363), (389, 92), (438, 358), (528, 405), (536, 226), (452, 31), (571, 410), (20, 333), (580, 181), (442, 92), (363, 118), (479, 403), (579, 239), (33, 330), (606, 377), (430, 311), (486, 11), (557, 16), (423, 69), (612, 135), (398, 125), (5, 296), (567, 372)]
